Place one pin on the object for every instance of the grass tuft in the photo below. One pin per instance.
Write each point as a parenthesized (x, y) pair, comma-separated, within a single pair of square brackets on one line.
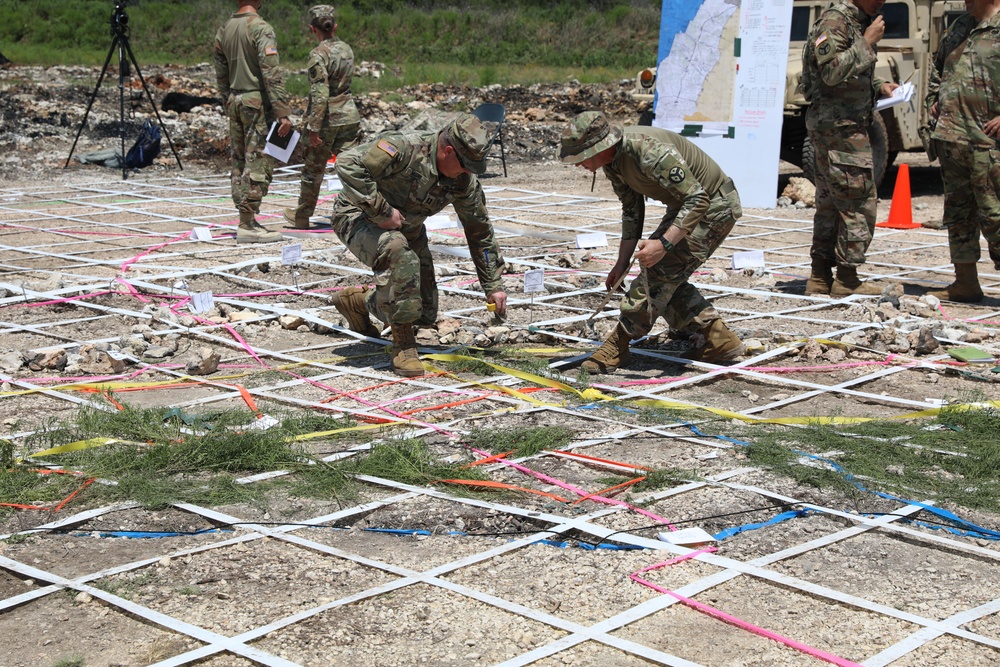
[(524, 441)]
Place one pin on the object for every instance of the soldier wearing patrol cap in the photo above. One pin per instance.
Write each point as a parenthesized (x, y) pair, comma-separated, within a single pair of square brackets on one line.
[(702, 208), (331, 118), (839, 81), (254, 95), (390, 186)]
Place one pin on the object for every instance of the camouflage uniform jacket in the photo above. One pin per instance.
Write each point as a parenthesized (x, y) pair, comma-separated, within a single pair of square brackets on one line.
[(660, 164), (970, 86), (957, 33), (838, 67), (246, 61), (331, 68), (399, 170)]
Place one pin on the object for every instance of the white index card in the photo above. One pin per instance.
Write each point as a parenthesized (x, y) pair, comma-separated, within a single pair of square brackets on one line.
[(592, 240), (201, 302), (263, 423), (440, 221), (748, 259), (333, 183), (534, 281), (687, 536), (291, 253), (201, 234)]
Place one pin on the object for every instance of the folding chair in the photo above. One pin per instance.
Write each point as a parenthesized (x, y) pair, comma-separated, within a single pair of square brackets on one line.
[(494, 113)]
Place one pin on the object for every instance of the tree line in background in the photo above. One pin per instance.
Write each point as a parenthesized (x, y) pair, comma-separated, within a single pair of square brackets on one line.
[(616, 35)]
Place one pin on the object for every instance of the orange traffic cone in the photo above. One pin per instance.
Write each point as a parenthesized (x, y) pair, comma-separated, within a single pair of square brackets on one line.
[(901, 210)]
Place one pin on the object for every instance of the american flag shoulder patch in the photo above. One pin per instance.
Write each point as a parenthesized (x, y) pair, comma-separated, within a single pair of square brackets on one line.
[(387, 147), (822, 38), (271, 51)]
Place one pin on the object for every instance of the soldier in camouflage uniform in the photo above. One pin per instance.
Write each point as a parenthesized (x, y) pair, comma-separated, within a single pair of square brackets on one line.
[(390, 186), (246, 69), (702, 208), (331, 119), (838, 78), (966, 106)]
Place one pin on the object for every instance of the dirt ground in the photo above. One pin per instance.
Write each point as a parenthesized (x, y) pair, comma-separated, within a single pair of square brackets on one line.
[(464, 579)]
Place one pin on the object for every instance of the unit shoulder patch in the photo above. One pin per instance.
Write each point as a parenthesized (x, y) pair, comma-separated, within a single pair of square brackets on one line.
[(676, 175), (388, 148)]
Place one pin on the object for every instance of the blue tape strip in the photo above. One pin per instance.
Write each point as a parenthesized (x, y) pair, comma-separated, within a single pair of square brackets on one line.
[(779, 518)]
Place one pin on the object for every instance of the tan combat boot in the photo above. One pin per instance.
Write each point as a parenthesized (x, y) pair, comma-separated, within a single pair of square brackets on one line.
[(251, 231), (403, 354), (612, 355), (966, 287), (292, 216), (721, 344), (848, 283), (821, 279), (351, 303)]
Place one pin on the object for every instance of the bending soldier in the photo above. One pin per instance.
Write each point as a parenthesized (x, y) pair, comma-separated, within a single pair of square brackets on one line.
[(838, 75), (331, 118), (966, 138), (246, 69), (390, 186), (702, 208)]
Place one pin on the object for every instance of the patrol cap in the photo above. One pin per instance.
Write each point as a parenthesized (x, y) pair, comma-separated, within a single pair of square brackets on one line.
[(587, 135), (471, 142), (318, 12)]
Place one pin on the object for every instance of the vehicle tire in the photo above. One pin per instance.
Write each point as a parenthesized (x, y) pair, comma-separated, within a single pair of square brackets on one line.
[(646, 117), (808, 160), (879, 139)]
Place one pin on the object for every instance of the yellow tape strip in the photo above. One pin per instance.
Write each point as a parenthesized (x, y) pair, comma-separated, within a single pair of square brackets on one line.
[(589, 393), (82, 444)]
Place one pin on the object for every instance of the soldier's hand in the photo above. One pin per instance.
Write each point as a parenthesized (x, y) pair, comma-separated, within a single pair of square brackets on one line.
[(314, 139), (886, 89), (614, 276), (395, 221), (935, 111), (650, 252), (284, 126), (500, 299), (992, 127), (875, 32)]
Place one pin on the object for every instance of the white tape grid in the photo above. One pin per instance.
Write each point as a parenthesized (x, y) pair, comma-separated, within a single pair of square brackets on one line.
[(514, 207)]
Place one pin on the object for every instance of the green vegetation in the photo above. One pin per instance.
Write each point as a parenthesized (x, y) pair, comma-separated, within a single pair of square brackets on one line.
[(489, 41), (74, 661), (166, 459), (523, 441), (951, 459)]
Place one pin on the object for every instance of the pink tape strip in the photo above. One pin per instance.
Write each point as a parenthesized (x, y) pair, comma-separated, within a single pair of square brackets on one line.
[(185, 235), (732, 620)]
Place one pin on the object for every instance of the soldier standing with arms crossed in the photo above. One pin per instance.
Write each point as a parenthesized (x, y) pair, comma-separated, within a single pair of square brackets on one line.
[(966, 106), (390, 186), (702, 208), (331, 119), (246, 69), (838, 76)]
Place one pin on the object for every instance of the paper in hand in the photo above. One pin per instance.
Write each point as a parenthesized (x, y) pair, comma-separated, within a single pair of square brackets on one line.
[(900, 95), (278, 147)]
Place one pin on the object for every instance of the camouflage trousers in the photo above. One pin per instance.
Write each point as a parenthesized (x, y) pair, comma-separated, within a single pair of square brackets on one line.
[(971, 178), (251, 168), (405, 287), (670, 294), (845, 193), (335, 138)]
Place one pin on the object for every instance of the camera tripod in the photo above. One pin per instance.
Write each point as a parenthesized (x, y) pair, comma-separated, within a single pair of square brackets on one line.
[(120, 43)]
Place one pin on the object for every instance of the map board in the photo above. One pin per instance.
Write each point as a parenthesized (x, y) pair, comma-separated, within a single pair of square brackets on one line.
[(720, 80)]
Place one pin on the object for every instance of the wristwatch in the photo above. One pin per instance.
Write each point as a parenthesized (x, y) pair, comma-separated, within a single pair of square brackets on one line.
[(667, 245)]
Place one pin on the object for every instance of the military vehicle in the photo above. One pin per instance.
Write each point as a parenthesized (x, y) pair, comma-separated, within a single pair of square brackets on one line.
[(913, 30)]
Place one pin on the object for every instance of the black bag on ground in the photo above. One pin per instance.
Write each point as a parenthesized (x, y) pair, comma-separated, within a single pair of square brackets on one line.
[(146, 147)]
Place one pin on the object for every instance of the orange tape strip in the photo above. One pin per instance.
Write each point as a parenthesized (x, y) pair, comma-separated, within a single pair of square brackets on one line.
[(594, 458), (500, 485), (489, 459), (64, 502), (112, 401), (605, 492)]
